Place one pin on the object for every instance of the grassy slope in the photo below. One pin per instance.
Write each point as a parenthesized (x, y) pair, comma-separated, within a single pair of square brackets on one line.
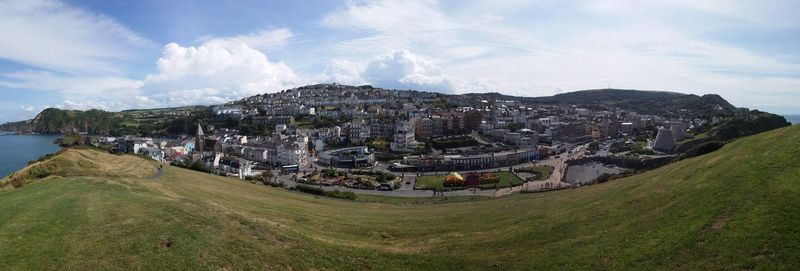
[(736, 208), (86, 161)]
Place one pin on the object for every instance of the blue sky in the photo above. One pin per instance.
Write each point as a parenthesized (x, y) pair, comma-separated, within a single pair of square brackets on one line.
[(116, 55)]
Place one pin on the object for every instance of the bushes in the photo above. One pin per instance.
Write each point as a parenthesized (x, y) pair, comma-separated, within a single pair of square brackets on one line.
[(38, 171), (380, 176), (188, 164), (16, 183), (341, 194), (318, 191), (310, 189), (200, 166), (604, 178)]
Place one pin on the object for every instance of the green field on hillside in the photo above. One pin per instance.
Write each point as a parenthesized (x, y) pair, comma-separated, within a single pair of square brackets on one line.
[(734, 209)]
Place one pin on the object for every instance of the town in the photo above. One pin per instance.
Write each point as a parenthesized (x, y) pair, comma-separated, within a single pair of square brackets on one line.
[(404, 142)]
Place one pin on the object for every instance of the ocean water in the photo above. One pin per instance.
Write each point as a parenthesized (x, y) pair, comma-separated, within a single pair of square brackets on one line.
[(17, 150), (794, 119)]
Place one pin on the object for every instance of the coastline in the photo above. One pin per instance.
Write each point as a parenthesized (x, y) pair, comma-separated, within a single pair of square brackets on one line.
[(16, 150), (792, 118)]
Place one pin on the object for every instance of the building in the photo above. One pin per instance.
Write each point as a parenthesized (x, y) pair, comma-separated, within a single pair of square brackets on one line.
[(472, 120), (274, 120), (199, 143), (353, 157), (292, 152), (238, 166), (664, 141), (358, 131), (677, 129), (460, 162), (154, 153), (423, 129), (404, 140)]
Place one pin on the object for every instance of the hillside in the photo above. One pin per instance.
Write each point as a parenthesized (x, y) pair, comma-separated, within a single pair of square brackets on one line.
[(145, 122), (85, 161), (732, 209), (58, 121), (646, 102)]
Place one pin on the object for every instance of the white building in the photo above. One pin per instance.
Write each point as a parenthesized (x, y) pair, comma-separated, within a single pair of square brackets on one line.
[(358, 131), (154, 153), (403, 137), (664, 141), (292, 152)]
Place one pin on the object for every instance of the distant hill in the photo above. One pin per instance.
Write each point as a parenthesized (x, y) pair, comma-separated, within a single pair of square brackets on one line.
[(733, 209), (179, 120), (497, 96), (646, 102), (58, 121)]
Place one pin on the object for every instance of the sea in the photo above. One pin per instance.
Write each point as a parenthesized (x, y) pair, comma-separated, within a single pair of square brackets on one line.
[(17, 150), (794, 119)]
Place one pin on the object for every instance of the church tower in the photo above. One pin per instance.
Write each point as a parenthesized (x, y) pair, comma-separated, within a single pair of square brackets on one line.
[(199, 141)]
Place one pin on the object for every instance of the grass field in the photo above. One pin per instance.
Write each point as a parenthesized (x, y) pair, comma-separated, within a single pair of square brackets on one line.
[(430, 182), (437, 182), (734, 209), (506, 179)]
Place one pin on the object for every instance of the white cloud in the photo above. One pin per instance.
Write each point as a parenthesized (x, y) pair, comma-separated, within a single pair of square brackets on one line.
[(262, 40), (55, 36), (405, 70), (400, 69), (68, 84), (342, 71), (216, 71), (28, 109)]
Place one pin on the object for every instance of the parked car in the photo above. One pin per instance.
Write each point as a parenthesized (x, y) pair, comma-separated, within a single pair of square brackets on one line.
[(386, 187)]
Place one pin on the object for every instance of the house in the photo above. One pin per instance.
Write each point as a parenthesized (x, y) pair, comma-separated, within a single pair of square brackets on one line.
[(237, 166), (154, 153)]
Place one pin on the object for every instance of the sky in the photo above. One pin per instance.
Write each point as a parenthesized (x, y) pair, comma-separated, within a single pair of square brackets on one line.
[(116, 55)]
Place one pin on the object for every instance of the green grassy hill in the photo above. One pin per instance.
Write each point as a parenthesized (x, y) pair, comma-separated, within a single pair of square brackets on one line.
[(662, 103), (735, 209)]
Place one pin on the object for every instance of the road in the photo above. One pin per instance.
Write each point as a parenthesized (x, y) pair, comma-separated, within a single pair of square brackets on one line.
[(554, 181)]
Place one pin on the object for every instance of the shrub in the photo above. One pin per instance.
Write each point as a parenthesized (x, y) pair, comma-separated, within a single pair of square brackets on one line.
[(41, 170), (604, 178), (341, 194), (318, 191), (200, 166), (16, 183), (310, 189)]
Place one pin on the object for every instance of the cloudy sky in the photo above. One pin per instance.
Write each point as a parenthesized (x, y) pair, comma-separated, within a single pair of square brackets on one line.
[(116, 55)]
